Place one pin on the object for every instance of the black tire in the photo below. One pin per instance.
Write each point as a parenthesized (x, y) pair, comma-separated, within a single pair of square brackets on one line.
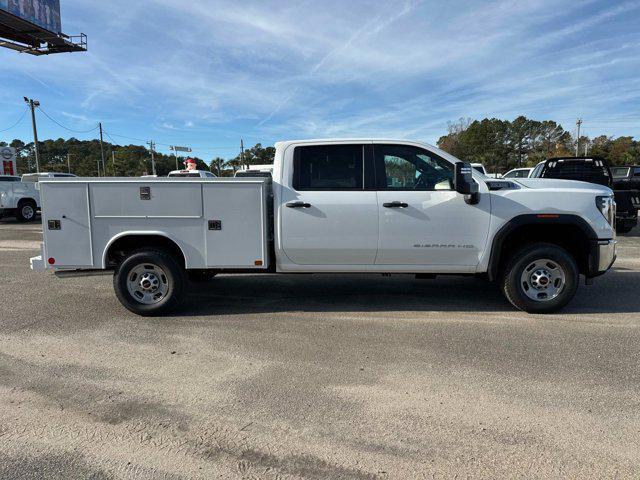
[(168, 273), (26, 211), (622, 229), (518, 286)]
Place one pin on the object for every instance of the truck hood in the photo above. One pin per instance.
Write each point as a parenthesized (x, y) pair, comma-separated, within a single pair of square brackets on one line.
[(555, 184)]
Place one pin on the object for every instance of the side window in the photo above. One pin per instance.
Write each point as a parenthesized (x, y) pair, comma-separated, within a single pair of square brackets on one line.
[(412, 168), (328, 167), (522, 174), (636, 171)]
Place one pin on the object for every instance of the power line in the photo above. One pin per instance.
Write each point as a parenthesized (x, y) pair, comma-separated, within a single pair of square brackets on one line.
[(110, 134), (124, 136), (66, 128), (110, 137), (24, 113)]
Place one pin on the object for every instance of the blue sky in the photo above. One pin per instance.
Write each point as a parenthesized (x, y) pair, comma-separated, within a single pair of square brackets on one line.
[(206, 73)]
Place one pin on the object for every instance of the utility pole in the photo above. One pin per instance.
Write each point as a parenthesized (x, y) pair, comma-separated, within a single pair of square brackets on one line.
[(152, 146), (242, 153), (69, 162), (32, 105), (104, 166), (113, 162), (579, 124)]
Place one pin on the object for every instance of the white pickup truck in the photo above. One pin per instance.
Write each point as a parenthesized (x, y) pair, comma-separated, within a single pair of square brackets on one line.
[(332, 206), (18, 198)]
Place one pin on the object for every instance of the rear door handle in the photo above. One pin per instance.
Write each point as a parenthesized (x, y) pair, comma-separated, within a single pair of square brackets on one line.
[(395, 205), (298, 205)]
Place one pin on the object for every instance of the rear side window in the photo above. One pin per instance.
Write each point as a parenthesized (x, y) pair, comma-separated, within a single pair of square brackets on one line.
[(636, 171), (9, 179), (328, 167)]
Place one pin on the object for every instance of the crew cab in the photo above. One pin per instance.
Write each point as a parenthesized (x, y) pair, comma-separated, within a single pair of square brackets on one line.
[(595, 170), (18, 198), (332, 206)]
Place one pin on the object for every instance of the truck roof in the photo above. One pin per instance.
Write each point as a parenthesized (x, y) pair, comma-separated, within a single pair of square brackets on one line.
[(352, 140), (338, 141)]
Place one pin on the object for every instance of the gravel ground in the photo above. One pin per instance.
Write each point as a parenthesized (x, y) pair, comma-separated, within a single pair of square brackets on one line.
[(316, 377)]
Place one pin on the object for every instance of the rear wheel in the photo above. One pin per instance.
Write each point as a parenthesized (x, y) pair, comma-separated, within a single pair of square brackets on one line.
[(540, 278), (149, 282), (26, 211)]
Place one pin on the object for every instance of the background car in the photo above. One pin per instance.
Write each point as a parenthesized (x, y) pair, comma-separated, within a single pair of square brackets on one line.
[(191, 174), (518, 173)]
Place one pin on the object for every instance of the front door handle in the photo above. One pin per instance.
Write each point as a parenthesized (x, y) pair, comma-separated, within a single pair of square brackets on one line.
[(395, 205), (298, 205)]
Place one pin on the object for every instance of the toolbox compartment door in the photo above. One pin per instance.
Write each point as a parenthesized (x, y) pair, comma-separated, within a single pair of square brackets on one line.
[(235, 225), (66, 224), (147, 200)]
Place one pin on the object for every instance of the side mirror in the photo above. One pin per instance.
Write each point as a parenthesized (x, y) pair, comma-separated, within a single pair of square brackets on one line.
[(465, 184)]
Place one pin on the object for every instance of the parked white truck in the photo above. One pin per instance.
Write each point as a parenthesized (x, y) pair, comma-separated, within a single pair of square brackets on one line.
[(18, 199), (348, 206)]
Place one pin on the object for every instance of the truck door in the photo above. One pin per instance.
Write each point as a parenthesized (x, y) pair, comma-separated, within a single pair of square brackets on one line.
[(330, 214), (423, 220), (69, 242)]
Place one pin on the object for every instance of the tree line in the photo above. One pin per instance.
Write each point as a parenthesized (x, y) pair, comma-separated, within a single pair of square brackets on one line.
[(502, 144), (84, 158), (498, 144)]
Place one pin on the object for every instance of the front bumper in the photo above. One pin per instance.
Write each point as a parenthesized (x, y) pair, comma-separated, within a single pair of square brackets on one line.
[(603, 255)]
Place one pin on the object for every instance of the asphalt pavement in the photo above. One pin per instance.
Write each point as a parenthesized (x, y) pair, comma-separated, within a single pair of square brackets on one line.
[(316, 377)]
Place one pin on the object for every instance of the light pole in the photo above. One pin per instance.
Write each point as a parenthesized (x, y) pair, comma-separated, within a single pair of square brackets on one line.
[(32, 105), (578, 124)]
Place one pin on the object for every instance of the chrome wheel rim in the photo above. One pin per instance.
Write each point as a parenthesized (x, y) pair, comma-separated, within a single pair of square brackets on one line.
[(543, 280), (28, 212), (148, 284)]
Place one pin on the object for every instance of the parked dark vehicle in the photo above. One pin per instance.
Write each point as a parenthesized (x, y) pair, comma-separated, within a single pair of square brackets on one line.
[(626, 177), (597, 170)]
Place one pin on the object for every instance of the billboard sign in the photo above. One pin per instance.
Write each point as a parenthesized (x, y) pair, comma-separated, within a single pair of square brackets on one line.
[(8, 160), (43, 13)]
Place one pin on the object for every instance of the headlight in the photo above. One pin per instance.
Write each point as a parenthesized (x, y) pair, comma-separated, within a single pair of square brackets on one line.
[(607, 207)]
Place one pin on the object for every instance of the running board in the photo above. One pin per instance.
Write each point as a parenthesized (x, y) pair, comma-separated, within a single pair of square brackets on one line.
[(81, 273)]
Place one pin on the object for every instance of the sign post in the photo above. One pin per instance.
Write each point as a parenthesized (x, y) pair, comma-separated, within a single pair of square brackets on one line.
[(179, 149), (8, 165)]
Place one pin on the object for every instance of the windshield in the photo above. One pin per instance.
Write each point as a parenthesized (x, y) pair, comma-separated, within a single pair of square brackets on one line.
[(620, 172), (184, 175)]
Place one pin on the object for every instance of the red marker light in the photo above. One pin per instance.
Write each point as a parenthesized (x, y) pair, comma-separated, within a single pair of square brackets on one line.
[(52, 261)]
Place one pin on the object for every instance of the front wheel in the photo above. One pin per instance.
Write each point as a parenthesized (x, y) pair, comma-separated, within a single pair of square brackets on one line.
[(540, 278), (149, 282)]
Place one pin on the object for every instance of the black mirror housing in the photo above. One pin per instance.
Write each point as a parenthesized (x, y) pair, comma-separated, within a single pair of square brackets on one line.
[(465, 184)]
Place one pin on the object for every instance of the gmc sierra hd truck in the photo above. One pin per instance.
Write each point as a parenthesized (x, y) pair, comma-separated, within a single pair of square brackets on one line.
[(18, 198), (332, 206)]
